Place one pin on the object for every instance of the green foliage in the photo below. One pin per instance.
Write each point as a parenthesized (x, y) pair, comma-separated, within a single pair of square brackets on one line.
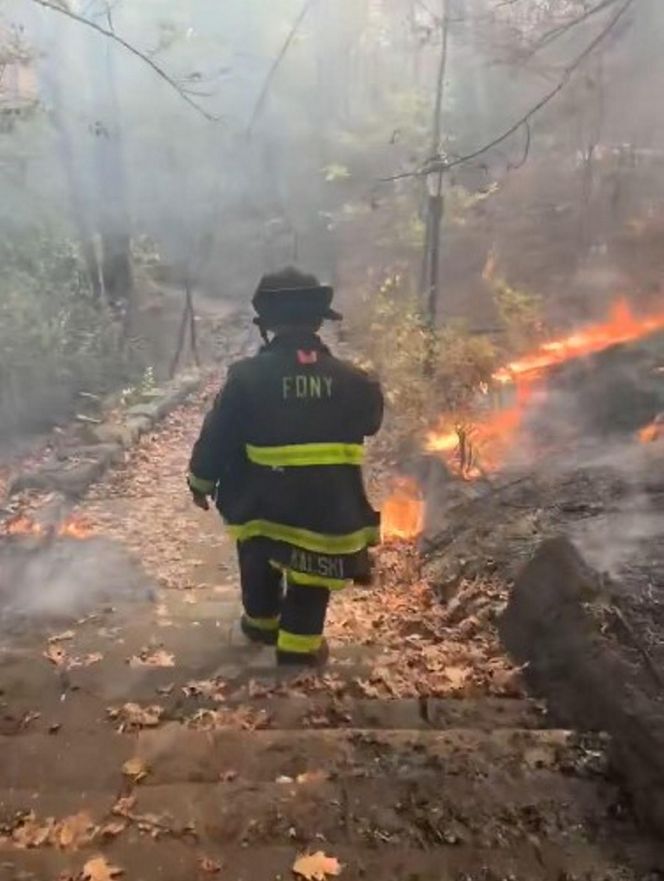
[(520, 312), (423, 372), (460, 202), (56, 339), (335, 172), (143, 390)]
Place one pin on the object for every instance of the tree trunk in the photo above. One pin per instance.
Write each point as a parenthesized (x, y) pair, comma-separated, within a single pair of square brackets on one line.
[(51, 65), (113, 215), (435, 202)]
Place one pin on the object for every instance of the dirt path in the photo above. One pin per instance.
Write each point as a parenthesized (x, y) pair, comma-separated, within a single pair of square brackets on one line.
[(138, 726)]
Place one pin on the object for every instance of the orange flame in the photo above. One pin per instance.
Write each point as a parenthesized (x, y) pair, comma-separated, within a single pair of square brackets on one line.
[(485, 441), (653, 432), (622, 326), (75, 527), (403, 512), (23, 525), (72, 527)]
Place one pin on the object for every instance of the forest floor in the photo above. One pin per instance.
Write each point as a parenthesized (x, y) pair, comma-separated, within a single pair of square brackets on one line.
[(143, 738)]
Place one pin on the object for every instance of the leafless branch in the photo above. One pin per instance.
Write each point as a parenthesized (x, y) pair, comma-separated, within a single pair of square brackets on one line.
[(552, 35), (277, 63), (112, 35), (437, 163)]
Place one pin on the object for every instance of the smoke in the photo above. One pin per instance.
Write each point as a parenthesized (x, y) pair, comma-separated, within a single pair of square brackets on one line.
[(64, 578)]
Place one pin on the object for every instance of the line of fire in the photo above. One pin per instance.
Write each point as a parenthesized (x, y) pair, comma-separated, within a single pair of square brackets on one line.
[(504, 427)]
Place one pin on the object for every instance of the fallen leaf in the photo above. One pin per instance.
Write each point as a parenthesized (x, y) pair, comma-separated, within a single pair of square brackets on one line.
[(135, 716), (210, 688), (98, 869), (61, 637), (111, 830), (55, 655), (209, 866), (32, 833), (312, 777), (457, 676), (75, 831), (84, 660), (124, 805), (30, 716), (317, 866), (135, 768), (159, 658), (166, 689)]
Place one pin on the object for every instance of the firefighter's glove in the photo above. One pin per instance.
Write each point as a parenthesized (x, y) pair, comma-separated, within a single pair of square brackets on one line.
[(200, 500), (200, 490)]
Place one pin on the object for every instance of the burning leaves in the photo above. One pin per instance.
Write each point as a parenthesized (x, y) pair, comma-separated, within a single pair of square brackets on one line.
[(402, 514), (653, 432), (73, 527), (622, 326), (481, 441)]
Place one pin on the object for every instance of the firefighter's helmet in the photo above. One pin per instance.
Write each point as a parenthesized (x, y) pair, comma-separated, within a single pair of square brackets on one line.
[(291, 296)]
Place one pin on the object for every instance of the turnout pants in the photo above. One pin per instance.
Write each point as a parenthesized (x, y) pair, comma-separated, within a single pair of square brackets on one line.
[(296, 611)]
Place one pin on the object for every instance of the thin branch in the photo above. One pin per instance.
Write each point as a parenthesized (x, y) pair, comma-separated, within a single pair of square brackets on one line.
[(436, 163), (526, 150), (552, 35), (111, 35), (277, 63)]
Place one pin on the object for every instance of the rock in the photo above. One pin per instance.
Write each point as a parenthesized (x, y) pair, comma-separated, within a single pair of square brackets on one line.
[(148, 411), (588, 681), (110, 433), (137, 425), (71, 482)]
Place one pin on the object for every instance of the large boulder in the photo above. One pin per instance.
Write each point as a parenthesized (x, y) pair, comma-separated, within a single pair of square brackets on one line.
[(554, 626)]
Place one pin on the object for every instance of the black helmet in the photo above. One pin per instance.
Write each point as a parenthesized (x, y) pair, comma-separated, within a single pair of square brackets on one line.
[(292, 296)]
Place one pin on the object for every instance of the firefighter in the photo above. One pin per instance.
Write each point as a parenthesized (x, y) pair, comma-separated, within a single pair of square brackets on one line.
[(281, 453)]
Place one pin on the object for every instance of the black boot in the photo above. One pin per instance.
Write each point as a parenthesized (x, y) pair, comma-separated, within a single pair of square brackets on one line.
[(256, 634)]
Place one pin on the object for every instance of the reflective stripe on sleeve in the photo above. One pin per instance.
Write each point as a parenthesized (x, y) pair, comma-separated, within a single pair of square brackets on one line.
[(199, 485)]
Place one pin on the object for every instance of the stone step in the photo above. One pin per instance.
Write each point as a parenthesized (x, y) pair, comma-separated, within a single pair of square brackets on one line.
[(142, 859), (175, 754), (82, 709)]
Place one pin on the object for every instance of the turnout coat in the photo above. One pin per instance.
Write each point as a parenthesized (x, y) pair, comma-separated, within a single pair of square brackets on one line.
[(282, 450)]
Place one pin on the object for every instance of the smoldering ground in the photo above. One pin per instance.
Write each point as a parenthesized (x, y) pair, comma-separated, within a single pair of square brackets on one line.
[(51, 580)]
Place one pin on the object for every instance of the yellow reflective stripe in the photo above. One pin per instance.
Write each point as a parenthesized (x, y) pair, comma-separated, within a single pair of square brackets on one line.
[(303, 455), (268, 624), (318, 542), (200, 485), (307, 580), (302, 645)]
